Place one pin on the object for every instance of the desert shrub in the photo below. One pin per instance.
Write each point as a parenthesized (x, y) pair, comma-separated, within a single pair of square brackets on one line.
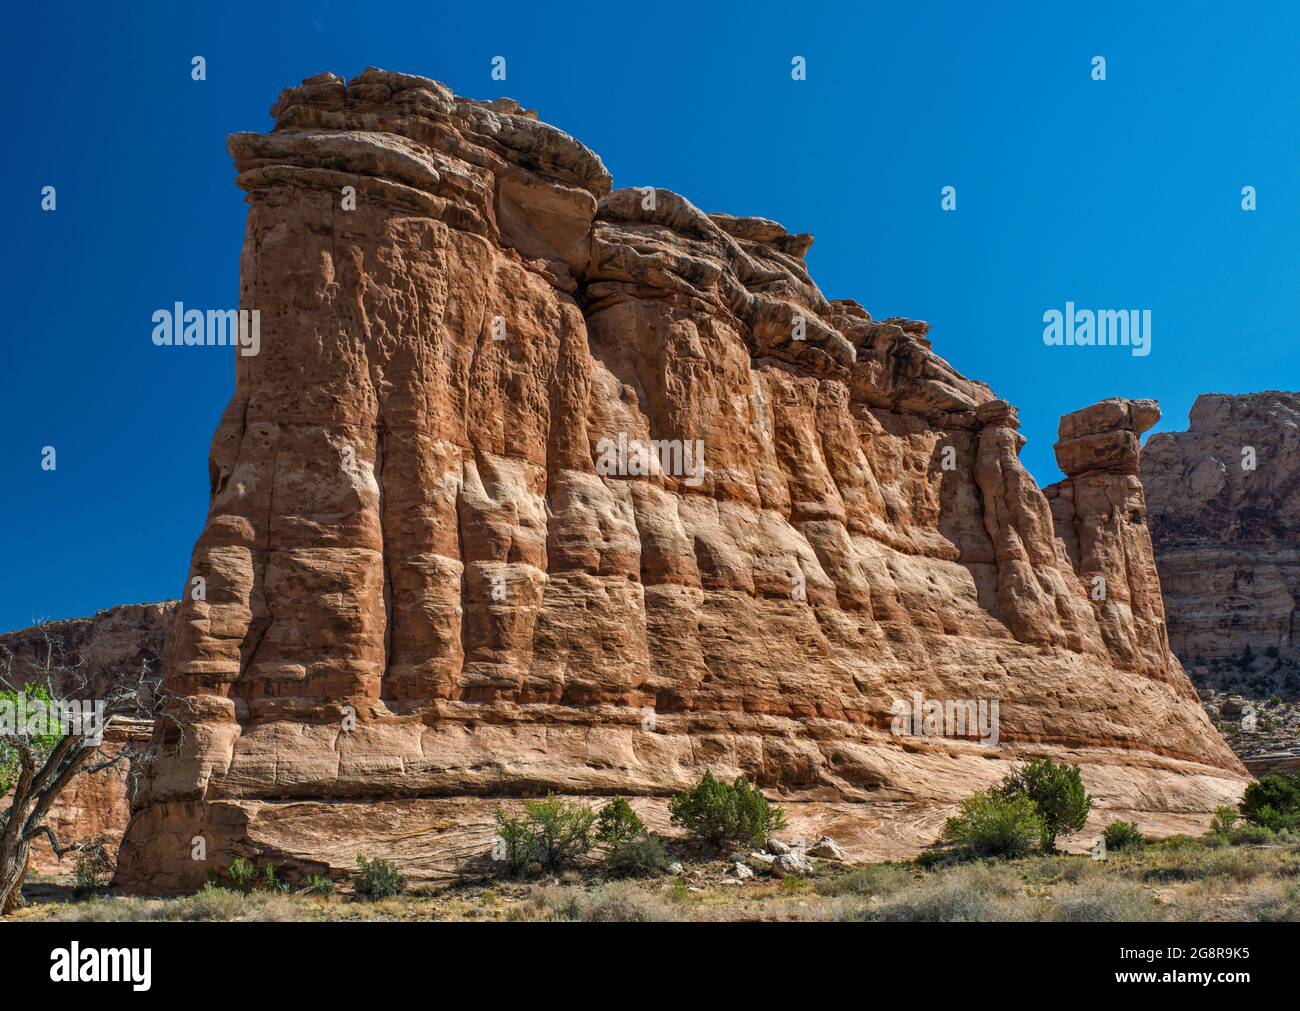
[(873, 879), (1250, 835), (614, 903), (617, 823), (272, 883), (92, 871), (1236, 865), (208, 903), (934, 858), (1104, 902), (548, 902), (992, 824), (637, 858), (1050, 870), (1120, 835), (622, 903), (377, 879), (1175, 843), (1273, 801), (242, 874), (723, 814), (321, 886), (550, 835), (1056, 791), (965, 894), (1224, 820)]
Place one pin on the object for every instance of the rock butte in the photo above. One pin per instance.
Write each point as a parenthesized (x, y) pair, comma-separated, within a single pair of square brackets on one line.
[(385, 464)]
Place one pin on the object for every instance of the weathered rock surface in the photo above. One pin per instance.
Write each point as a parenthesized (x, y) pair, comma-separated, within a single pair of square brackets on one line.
[(109, 648), (1225, 520), (1101, 517), (103, 649), (413, 521)]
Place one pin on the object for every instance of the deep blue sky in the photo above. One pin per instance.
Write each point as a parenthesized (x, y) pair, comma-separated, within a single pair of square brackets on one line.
[(1116, 194)]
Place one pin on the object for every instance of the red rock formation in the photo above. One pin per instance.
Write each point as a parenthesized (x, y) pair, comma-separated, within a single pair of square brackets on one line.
[(1101, 516), (415, 519), (1225, 518)]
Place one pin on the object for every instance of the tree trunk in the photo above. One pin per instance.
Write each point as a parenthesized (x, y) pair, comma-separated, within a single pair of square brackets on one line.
[(13, 872), (32, 797)]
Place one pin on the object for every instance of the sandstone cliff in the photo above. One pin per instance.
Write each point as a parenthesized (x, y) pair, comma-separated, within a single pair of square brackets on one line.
[(414, 518), (1225, 519), (111, 647)]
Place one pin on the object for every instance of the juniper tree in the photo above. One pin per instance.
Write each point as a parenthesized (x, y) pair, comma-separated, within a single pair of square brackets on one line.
[(44, 746)]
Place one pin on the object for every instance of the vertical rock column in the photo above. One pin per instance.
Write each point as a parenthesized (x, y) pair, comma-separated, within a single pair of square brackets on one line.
[(1100, 515)]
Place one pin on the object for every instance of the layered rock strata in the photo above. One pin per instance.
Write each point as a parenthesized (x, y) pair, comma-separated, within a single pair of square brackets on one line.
[(1225, 520), (440, 572)]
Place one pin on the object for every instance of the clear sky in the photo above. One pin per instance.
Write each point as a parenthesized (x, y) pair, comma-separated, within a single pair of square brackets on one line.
[(1115, 194)]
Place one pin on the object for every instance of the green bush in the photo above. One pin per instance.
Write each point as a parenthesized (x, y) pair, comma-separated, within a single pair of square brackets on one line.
[(1224, 820), (273, 883), (1250, 835), (993, 824), (1056, 791), (321, 886), (377, 879), (637, 858), (723, 814), (242, 874), (1120, 835), (1274, 801), (550, 835), (617, 823), (932, 858)]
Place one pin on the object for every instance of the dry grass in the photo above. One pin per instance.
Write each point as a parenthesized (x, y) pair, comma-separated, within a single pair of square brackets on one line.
[(1177, 880)]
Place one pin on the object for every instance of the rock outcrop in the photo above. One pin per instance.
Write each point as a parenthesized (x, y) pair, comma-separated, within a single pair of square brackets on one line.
[(1225, 520), (96, 653), (1101, 516), (539, 485)]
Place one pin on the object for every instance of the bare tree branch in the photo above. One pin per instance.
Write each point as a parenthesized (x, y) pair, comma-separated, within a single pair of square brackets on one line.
[(42, 777)]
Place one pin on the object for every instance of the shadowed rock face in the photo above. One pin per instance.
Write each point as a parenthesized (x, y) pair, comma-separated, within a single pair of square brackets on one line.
[(413, 520), (1227, 536)]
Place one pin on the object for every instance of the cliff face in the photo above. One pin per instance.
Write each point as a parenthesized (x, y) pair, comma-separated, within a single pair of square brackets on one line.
[(1225, 519), (429, 513), (108, 648)]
